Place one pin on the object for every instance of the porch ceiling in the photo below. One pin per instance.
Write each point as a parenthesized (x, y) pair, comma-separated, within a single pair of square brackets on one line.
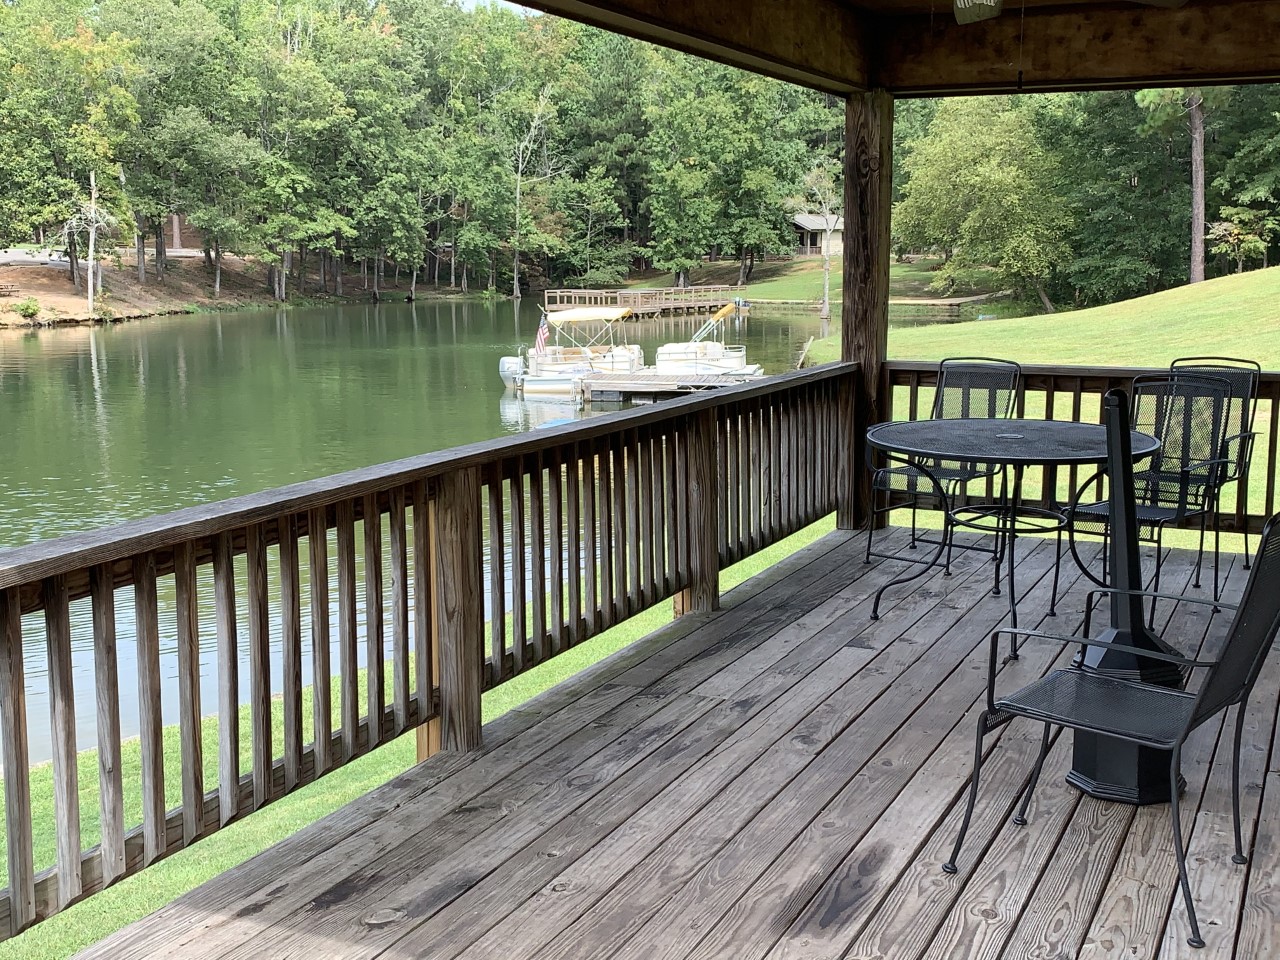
[(915, 48)]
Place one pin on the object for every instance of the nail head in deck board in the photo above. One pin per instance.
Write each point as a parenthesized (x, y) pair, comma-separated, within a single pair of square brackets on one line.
[(318, 572), (17, 794), (150, 724), (348, 656), (107, 695), (187, 616), (291, 650), (375, 640), (460, 609), (224, 595), (259, 663)]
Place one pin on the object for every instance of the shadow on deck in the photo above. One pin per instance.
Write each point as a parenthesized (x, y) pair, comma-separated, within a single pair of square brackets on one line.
[(781, 779)]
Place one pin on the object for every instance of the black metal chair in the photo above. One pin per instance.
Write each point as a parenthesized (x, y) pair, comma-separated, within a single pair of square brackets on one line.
[(1190, 415), (968, 387), (1242, 376), (1153, 716)]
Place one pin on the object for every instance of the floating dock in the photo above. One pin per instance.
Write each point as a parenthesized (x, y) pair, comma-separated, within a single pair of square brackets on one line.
[(648, 387), (650, 302)]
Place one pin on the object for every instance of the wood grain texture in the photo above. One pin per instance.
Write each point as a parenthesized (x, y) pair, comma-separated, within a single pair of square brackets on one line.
[(187, 616), (559, 636), (291, 650), (348, 657), (399, 607), (538, 558), (107, 698), (423, 602), (259, 600), (497, 578), (574, 535), (224, 596), (519, 569), (62, 723), (318, 573), (374, 632), (460, 610), (150, 718), (13, 748)]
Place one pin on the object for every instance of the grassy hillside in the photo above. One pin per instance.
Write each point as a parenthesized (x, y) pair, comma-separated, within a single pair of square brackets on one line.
[(1232, 316)]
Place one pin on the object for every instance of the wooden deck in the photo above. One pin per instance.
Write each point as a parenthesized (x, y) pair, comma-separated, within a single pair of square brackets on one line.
[(781, 779)]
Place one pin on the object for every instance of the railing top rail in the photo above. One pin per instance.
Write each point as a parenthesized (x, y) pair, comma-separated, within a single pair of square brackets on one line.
[(1057, 370), (21, 565)]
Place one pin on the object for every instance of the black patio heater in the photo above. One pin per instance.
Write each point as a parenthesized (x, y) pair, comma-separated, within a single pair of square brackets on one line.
[(1103, 766)]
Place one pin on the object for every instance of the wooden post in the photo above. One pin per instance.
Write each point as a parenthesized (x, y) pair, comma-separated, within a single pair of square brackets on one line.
[(460, 608), (703, 593), (868, 197)]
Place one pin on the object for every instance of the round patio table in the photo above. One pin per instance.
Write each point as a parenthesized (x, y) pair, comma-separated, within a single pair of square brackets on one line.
[(1016, 444)]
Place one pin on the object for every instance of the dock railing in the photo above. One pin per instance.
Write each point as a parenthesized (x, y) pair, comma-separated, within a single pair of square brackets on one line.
[(646, 300), (1075, 393), (411, 587)]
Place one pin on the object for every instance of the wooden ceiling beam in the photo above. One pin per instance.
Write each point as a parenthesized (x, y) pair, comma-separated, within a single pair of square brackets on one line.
[(1080, 48), (817, 43)]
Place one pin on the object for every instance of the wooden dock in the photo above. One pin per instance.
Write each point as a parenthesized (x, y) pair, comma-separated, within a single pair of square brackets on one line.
[(778, 780), (604, 387), (646, 302)]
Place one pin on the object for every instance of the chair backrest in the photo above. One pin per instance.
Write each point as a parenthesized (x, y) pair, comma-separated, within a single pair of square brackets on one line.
[(1187, 413), (976, 387), (1242, 377), (1251, 634)]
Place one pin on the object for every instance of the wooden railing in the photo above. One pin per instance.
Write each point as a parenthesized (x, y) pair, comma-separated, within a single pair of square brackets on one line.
[(646, 300), (1075, 393), (444, 574)]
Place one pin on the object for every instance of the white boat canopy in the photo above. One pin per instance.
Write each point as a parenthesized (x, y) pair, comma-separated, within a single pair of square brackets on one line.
[(588, 315)]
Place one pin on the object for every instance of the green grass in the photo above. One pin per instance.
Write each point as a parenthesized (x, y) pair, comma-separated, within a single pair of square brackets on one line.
[(132, 898), (1232, 316), (800, 279)]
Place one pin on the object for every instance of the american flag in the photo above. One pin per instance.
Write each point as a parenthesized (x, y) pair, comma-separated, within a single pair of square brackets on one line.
[(540, 341)]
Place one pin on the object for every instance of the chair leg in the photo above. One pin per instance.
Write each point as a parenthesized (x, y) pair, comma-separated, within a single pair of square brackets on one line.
[(1155, 586), (1057, 573), (1020, 818), (1200, 552), (1179, 849), (1217, 543), (1239, 856), (871, 525), (912, 544), (950, 865), (1244, 481)]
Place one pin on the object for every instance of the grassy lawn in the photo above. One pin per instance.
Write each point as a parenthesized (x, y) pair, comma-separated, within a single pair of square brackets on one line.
[(798, 279), (1232, 316), (67, 932)]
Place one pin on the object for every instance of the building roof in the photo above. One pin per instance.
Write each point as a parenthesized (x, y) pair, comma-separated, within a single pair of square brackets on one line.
[(816, 221)]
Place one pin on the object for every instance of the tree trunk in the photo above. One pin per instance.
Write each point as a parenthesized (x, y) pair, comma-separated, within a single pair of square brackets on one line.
[(825, 313), (413, 283), (337, 274), (162, 253), (493, 272), (217, 270), (742, 265), (752, 265), (73, 260), (324, 279), (464, 278), (1196, 105), (377, 276), (208, 255), (1044, 299), (515, 249), (140, 251), (435, 277), (453, 259)]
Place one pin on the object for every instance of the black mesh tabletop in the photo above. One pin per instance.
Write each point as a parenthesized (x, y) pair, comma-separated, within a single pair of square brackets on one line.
[(1013, 442)]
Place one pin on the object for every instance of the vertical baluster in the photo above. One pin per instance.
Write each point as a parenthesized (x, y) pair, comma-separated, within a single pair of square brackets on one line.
[(150, 725), (645, 490), (790, 472), (733, 483), (322, 704), (722, 483), (604, 477), (768, 488), (573, 499), (745, 467), (1273, 454), (1077, 397), (519, 556), (497, 579), (62, 719), (347, 639), (375, 639), (591, 555), (634, 492), (757, 477), (17, 785), (671, 511), (259, 662), (618, 487), (423, 588), (189, 712), (399, 610), (538, 558), (224, 597), (555, 505), (107, 682), (807, 465), (681, 450), (291, 649)]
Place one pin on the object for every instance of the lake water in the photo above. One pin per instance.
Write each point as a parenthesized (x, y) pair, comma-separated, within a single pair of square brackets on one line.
[(107, 424)]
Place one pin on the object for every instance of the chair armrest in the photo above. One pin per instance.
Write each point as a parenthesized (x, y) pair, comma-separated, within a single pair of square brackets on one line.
[(1155, 595)]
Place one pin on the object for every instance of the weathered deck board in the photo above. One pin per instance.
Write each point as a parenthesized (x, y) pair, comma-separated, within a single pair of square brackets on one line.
[(776, 780)]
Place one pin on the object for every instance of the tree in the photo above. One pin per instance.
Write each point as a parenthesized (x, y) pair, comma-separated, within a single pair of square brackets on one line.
[(1243, 234), (823, 194)]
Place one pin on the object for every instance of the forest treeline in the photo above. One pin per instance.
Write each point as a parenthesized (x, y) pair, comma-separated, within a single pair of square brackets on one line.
[(484, 148)]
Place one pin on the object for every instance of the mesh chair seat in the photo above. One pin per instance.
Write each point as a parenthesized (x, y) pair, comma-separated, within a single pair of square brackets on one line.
[(1080, 698), (1148, 514)]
